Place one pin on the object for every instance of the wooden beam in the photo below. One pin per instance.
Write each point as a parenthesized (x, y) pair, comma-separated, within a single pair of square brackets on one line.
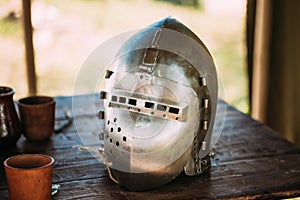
[(261, 59), (29, 49)]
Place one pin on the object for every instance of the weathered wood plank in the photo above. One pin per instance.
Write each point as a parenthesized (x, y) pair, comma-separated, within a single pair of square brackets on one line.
[(252, 161), (245, 178)]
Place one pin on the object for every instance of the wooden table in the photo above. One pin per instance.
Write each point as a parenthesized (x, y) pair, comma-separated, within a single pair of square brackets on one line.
[(251, 161)]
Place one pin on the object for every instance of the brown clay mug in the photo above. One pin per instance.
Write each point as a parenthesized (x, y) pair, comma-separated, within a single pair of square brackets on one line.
[(29, 176), (37, 114)]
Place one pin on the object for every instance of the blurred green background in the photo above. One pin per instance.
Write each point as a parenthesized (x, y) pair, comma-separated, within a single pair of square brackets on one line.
[(66, 32)]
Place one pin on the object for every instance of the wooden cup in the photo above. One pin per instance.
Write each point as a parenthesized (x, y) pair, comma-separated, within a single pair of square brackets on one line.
[(29, 176), (37, 115)]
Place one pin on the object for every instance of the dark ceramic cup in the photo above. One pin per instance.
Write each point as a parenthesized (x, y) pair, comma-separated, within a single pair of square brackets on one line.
[(37, 114), (10, 127), (29, 176)]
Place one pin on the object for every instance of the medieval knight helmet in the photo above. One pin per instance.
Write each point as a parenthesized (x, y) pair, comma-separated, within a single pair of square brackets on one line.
[(159, 106)]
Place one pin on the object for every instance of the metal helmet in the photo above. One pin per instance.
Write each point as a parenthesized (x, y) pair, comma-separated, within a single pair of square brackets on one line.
[(159, 106)]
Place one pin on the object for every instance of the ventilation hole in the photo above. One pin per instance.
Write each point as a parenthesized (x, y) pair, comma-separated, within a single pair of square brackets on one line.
[(117, 143), (110, 140), (132, 102), (139, 110), (164, 115), (174, 110), (115, 119), (122, 99), (111, 130), (176, 118), (108, 122), (161, 107), (119, 129), (149, 104), (152, 113), (114, 98), (124, 138)]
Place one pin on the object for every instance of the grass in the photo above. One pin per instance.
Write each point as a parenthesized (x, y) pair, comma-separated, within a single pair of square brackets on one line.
[(10, 28)]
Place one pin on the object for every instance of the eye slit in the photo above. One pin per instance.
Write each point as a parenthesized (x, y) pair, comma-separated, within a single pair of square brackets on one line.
[(149, 104), (161, 107), (132, 102), (122, 99), (174, 110), (114, 98)]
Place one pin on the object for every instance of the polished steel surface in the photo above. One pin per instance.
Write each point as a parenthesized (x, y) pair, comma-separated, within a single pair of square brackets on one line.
[(160, 105)]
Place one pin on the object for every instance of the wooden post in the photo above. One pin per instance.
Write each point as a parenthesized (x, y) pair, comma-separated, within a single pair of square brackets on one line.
[(261, 60), (29, 50)]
